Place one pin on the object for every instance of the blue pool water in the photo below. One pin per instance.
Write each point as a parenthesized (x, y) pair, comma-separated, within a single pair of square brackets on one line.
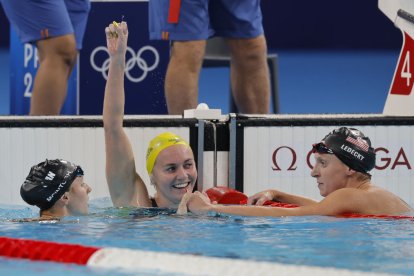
[(374, 245)]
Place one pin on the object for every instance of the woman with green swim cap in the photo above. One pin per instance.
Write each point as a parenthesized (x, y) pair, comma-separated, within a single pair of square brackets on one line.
[(170, 160)]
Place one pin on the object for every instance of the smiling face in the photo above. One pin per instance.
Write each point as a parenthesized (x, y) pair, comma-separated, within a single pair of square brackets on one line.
[(174, 173), (78, 197), (330, 173)]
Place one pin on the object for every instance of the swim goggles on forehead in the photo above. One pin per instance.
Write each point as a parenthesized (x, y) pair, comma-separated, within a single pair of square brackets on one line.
[(79, 171), (321, 148)]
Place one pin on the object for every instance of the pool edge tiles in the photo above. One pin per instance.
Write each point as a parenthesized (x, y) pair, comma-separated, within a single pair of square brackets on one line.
[(201, 265)]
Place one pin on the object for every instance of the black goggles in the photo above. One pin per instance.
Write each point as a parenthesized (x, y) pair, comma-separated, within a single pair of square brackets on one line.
[(79, 171), (321, 148)]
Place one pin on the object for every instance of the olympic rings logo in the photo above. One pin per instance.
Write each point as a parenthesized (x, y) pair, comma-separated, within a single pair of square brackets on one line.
[(135, 59)]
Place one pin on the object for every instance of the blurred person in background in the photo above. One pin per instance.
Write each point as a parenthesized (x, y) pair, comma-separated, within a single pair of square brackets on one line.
[(56, 27), (188, 24)]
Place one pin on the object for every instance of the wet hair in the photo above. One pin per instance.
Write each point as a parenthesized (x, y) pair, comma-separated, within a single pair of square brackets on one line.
[(351, 146), (48, 181)]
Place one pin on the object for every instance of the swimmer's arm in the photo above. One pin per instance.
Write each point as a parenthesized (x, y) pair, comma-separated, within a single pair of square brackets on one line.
[(330, 206), (297, 200), (125, 185), (114, 100), (182, 207), (275, 195), (266, 211)]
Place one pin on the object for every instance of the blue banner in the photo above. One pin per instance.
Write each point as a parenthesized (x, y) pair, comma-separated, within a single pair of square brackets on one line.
[(146, 61), (24, 63)]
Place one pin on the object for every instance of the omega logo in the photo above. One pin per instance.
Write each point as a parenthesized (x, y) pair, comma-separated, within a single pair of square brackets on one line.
[(382, 162), (292, 166)]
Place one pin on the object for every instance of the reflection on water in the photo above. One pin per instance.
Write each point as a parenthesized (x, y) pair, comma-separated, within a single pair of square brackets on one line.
[(376, 245)]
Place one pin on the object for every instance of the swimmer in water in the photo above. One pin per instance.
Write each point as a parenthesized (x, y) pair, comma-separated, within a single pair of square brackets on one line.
[(57, 188), (169, 160), (343, 160)]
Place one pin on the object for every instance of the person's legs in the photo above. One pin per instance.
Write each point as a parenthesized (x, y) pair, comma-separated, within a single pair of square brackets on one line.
[(181, 81), (240, 22), (57, 56), (250, 75), (52, 25), (188, 35)]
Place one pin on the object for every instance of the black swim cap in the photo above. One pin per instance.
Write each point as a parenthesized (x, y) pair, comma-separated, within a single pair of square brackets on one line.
[(48, 181), (351, 146)]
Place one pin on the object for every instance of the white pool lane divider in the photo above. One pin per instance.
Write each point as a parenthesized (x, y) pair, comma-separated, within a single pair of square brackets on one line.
[(200, 265), (133, 260)]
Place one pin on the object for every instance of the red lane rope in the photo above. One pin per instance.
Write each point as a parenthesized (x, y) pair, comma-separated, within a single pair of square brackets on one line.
[(80, 255), (45, 251)]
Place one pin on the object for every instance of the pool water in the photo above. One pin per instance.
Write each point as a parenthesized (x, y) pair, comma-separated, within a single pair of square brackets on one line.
[(372, 245)]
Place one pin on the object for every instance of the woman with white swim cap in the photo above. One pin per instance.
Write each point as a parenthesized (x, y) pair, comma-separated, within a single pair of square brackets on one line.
[(170, 160)]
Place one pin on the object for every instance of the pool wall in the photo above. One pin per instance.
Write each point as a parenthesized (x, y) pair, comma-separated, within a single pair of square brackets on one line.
[(250, 153), (277, 151)]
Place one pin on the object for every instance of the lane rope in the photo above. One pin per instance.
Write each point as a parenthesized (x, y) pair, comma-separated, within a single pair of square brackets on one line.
[(159, 261)]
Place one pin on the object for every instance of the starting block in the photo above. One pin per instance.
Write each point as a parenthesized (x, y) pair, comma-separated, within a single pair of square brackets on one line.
[(400, 99)]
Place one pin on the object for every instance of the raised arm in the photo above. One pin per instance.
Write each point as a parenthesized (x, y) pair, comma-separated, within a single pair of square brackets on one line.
[(125, 185)]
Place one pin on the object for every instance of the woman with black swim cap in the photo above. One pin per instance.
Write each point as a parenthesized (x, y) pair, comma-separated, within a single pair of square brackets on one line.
[(57, 188), (343, 161)]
